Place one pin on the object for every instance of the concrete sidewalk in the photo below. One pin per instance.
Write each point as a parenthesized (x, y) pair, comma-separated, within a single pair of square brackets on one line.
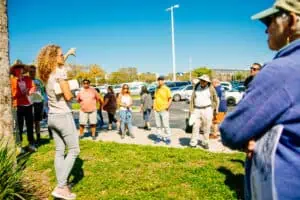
[(179, 139)]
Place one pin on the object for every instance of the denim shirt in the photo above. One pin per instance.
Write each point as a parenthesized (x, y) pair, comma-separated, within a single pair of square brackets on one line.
[(273, 98)]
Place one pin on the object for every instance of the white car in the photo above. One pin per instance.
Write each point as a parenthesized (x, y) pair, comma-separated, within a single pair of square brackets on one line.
[(183, 93), (102, 89), (227, 85), (233, 97)]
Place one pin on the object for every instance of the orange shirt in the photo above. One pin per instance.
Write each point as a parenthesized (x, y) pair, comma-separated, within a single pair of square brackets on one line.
[(21, 88)]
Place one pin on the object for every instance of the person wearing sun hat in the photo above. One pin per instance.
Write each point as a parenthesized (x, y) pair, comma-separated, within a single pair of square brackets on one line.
[(203, 106), (266, 122)]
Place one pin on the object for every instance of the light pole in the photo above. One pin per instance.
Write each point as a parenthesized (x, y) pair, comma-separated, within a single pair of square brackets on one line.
[(173, 39), (190, 68)]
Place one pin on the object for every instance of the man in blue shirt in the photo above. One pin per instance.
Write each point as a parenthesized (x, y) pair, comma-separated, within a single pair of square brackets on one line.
[(218, 118), (268, 117)]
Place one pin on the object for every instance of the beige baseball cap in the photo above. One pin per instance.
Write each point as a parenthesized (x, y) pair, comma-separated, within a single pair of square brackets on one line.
[(287, 5)]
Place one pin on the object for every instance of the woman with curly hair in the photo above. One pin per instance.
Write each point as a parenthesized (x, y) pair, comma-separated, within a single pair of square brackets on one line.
[(60, 120)]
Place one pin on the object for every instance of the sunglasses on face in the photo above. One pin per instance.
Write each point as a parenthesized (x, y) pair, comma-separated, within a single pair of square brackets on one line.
[(125, 88), (267, 21), (254, 69)]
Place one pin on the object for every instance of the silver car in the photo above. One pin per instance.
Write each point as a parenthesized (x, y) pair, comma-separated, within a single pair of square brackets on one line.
[(182, 93)]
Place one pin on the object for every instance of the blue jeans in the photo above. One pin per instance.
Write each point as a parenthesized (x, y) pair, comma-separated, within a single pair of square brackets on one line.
[(100, 117), (65, 136), (146, 115), (126, 118)]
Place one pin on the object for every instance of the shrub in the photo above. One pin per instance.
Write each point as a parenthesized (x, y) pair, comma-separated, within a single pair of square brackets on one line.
[(11, 186)]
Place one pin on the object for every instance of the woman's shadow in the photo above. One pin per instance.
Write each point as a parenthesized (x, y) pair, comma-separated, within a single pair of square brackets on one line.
[(234, 181), (77, 172)]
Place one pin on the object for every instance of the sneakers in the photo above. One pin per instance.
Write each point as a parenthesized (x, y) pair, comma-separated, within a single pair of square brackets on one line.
[(213, 136), (157, 140), (66, 196), (122, 136), (81, 137), (132, 136), (205, 146), (168, 141), (32, 148), (94, 138)]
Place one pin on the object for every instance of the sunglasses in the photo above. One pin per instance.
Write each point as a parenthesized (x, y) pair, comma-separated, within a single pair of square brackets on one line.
[(254, 69), (125, 88), (268, 20)]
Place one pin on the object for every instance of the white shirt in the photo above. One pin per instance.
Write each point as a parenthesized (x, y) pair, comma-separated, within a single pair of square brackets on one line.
[(125, 100), (202, 97), (57, 103)]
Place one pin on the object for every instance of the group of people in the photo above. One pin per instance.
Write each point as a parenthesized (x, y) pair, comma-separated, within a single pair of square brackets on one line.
[(29, 103), (208, 105), (266, 122)]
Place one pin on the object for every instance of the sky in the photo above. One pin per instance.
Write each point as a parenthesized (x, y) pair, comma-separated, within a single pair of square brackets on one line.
[(137, 33)]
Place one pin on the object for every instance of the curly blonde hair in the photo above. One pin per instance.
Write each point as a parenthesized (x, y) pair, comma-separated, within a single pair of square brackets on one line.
[(47, 61)]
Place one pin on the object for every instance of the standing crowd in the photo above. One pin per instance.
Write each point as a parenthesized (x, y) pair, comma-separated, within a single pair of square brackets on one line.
[(265, 123)]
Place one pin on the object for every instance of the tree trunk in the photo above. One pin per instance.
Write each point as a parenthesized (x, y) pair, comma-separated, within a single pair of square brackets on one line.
[(6, 122)]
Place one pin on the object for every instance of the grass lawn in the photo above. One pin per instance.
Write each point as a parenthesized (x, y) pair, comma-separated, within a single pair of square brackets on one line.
[(119, 171)]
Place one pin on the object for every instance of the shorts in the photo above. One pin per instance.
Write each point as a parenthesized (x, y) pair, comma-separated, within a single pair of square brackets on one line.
[(85, 117), (146, 115), (219, 118), (38, 111)]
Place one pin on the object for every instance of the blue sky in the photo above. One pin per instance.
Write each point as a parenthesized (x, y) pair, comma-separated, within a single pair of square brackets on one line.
[(137, 33)]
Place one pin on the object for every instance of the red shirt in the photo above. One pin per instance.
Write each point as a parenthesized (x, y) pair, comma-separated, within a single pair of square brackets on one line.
[(21, 89)]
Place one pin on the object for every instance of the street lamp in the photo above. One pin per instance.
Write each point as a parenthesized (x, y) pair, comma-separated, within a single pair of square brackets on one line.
[(173, 39)]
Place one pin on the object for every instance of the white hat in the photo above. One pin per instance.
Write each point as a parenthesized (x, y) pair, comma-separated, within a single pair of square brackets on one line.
[(205, 78)]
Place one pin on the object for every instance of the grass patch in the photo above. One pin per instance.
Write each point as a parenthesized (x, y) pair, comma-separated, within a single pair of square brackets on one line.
[(119, 171)]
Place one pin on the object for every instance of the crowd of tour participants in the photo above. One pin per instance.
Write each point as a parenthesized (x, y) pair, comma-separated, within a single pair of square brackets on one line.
[(265, 123)]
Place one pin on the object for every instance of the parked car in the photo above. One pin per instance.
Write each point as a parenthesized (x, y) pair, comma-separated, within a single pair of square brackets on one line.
[(233, 97), (102, 89), (172, 85), (182, 93), (227, 85)]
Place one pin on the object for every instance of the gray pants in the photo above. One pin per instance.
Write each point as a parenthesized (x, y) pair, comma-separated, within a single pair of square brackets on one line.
[(162, 121), (65, 136), (203, 120)]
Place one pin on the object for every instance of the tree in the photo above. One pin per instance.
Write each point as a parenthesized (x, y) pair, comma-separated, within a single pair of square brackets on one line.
[(201, 71), (116, 78), (239, 76), (76, 69), (130, 73), (96, 74), (147, 77), (6, 121)]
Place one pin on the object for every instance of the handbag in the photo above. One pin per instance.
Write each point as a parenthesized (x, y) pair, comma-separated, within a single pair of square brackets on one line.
[(188, 127)]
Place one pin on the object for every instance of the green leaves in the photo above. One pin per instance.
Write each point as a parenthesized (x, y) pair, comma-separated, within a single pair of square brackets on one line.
[(11, 185)]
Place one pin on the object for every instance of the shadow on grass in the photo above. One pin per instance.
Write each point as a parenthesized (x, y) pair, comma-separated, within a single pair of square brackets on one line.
[(234, 181), (77, 172)]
